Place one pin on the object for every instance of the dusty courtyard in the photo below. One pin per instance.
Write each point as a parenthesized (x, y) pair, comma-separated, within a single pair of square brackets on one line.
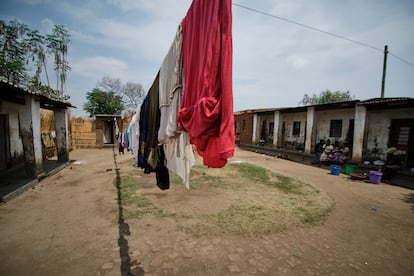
[(72, 223)]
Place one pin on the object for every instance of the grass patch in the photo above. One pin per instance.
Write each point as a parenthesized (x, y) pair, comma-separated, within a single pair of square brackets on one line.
[(204, 178), (174, 178), (251, 200), (197, 230), (261, 175), (200, 167), (141, 205), (246, 220), (252, 172), (212, 181), (314, 215), (128, 188), (286, 184)]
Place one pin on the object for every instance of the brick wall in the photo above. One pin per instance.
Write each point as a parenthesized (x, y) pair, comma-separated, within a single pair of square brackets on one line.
[(244, 128)]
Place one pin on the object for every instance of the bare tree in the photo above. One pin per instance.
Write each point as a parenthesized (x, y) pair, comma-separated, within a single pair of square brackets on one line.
[(309, 100), (131, 93), (110, 84)]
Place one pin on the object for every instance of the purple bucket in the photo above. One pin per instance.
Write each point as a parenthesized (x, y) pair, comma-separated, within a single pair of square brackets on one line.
[(375, 177)]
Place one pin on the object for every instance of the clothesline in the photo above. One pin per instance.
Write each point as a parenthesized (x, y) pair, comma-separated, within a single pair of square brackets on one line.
[(191, 100)]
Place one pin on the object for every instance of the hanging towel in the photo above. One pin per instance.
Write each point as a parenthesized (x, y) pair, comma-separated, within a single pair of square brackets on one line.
[(180, 157), (206, 111), (143, 129), (135, 133), (128, 138), (170, 90), (154, 153), (177, 147)]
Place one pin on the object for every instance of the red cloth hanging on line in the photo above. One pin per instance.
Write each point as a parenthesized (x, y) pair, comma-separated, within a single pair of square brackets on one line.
[(206, 111)]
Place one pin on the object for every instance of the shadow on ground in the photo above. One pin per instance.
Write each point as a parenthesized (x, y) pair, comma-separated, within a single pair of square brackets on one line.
[(409, 198), (15, 181), (126, 263)]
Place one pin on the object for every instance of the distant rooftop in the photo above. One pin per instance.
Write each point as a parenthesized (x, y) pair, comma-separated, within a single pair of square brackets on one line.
[(402, 101)]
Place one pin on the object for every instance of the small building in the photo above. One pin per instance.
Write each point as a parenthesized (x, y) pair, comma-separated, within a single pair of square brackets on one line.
[(106, 129), (369, 127), (20, 131), (95, 133)]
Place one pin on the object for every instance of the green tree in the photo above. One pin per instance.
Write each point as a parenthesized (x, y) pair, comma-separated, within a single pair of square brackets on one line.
[(326, 96), (57, 44), (21, 47), (36, 44), (13, 52), (103, 102)]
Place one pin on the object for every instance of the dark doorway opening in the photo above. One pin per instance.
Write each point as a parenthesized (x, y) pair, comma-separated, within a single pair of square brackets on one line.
[(350, 135), (402, 137), (4, 143), (108, 132)]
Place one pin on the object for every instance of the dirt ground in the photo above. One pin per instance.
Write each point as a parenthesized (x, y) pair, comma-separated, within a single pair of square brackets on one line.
[(69, 224)]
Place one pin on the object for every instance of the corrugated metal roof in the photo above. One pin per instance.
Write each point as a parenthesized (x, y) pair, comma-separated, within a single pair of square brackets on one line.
[(259, 110), (380, 102), (107, 115), (386, 100), (46, 101)]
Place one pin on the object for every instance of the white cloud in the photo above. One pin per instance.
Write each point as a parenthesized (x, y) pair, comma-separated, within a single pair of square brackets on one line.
[(99, 66), (274, 62), (35, 2), (147, 35), (46, 25), (155, 8), (296, 62)]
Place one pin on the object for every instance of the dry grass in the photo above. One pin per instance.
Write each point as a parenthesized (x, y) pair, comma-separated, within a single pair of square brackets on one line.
[(240, 199)]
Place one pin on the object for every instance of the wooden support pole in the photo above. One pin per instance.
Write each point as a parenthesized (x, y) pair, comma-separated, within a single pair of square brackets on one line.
[(384, 70)]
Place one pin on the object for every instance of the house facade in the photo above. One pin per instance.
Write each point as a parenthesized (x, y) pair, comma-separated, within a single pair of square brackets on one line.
[(20, 131), (369, 127)]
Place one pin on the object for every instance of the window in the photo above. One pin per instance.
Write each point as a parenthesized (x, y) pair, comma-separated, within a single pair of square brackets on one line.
[(296, 129), (336, 128), (403, 135)]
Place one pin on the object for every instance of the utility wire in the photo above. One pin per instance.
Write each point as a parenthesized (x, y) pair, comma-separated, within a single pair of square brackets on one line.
[(324, 32), (401, 59)]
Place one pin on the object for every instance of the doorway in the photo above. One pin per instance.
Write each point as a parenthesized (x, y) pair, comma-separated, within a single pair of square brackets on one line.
[(4, 142), (350, 135), (108, 132), (401, 137)]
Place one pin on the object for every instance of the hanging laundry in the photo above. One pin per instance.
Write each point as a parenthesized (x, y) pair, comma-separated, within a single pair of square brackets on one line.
[(134, 132), (180, 157), (116, 128), (153, 124), (206, 111), (170, 89), (121, 142), (128, 138), (143, 129), (154, 153), (177, 147)]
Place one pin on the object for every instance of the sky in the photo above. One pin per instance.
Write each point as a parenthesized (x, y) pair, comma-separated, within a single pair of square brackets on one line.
[(275, 62)]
